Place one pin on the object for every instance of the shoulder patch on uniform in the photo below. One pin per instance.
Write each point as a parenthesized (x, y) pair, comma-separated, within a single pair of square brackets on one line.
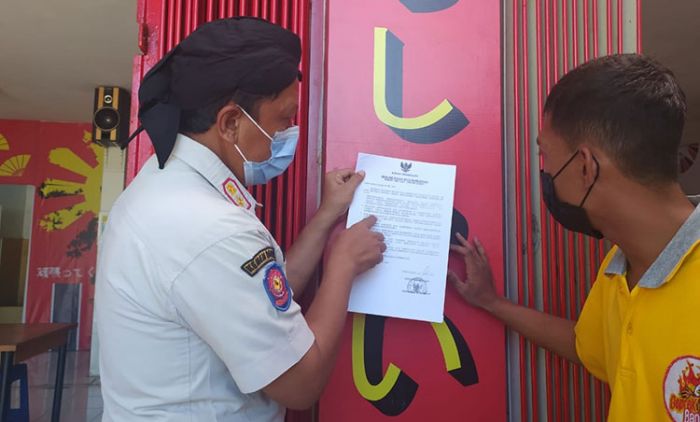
[(276, 287), (234, 192), (261, 258)]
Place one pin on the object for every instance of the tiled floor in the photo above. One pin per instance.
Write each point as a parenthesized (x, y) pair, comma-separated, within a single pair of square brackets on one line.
[(82, 401)]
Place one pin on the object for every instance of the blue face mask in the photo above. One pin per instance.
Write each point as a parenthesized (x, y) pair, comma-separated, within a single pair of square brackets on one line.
[(282, 146)]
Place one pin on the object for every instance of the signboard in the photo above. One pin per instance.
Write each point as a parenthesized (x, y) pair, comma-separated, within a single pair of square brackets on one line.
[(421, 80)]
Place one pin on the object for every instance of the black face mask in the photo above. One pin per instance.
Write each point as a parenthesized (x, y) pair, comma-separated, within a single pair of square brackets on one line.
[(572, 217)]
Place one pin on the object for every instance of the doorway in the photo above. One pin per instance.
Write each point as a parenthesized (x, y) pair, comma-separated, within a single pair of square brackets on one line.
[(16, 210)]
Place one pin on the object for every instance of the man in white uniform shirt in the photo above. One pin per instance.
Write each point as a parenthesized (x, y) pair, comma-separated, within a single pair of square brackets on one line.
[(195, 302)]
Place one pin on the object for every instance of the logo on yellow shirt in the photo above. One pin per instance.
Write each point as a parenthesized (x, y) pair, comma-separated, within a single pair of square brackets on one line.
[(682, 389)]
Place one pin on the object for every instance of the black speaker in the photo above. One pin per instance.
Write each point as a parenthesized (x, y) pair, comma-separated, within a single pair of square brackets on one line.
[(110, 123)]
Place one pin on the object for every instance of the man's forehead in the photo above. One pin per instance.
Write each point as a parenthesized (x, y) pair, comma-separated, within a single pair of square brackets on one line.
[(288, 103), (282, 103), (543, 137), (547, 133)]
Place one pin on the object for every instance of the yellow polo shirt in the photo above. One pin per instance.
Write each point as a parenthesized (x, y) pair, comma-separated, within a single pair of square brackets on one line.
[(645, 343)]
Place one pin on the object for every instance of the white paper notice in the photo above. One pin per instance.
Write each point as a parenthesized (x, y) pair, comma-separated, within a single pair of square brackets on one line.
[(412, 201)]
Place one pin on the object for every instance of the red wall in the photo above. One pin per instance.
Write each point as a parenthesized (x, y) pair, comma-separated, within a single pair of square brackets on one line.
[(65, 167)]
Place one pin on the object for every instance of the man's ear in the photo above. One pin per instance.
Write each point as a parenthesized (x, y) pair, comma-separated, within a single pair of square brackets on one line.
[(228, 121), (588, 165)]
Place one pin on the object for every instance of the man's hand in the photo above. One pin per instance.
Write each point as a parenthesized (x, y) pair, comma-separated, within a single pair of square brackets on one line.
[(338, 189), (478, 288), (304, 255), (551, 332), (358, 248)]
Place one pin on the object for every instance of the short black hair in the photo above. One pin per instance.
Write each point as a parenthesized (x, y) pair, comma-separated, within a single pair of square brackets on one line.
[(199, 120), (630, 106)]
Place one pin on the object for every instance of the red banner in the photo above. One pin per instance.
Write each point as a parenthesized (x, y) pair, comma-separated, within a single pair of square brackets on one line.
[(65, 168), (421, 80)]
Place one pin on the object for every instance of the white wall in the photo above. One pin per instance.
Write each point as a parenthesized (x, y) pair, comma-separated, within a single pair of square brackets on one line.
[(670, 34)]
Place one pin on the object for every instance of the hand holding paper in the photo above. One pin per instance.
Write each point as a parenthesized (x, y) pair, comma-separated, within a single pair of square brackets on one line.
[(412, 201), (338, 189)]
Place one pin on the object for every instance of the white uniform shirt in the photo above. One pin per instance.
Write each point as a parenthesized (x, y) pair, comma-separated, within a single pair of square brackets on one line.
[(193, 310)]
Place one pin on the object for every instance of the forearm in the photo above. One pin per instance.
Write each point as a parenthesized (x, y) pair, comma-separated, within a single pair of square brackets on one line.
[(551, 332), (302, 384), (326, 317), (305, 254)]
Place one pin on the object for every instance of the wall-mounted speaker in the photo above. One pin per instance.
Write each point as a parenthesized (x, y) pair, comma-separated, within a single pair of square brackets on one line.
[(110, 123)]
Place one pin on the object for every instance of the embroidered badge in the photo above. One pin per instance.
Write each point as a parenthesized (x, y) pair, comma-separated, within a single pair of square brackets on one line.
[(682, 389), (258, 261), (234, 192), (276, 287)]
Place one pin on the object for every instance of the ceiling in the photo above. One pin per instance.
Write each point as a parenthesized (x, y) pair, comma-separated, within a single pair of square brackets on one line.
[(670, 34), (54, 54)]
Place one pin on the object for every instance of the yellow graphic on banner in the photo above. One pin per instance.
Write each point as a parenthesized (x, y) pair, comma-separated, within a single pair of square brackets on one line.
[(90, 188), (15, 166), (381, 390), (4, 144), (449, 348), (364, 387), (380, 93), (392, 391)]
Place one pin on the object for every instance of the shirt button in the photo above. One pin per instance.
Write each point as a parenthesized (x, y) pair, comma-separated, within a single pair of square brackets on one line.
[(629, 329)]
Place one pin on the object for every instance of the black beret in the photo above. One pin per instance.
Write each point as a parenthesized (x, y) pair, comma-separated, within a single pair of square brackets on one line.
[(219, 58)]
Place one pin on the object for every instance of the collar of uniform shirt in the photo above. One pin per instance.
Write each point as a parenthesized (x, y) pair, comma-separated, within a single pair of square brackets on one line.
[(206, 163), (670, 259)]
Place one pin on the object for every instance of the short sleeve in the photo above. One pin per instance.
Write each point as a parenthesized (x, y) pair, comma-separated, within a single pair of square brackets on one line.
[(590, 344), (236, 298)]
